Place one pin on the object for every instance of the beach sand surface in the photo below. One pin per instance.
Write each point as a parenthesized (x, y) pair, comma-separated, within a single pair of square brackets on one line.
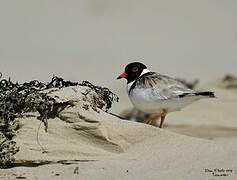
[(198, 142)]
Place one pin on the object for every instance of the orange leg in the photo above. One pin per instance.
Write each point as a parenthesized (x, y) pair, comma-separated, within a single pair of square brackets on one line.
[(162, 117), (152, 120)]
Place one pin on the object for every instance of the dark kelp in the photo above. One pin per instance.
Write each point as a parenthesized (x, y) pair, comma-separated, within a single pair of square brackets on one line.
[(17, 99)]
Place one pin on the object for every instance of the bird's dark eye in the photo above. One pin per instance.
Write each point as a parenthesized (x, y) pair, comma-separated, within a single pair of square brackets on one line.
[(135, 69)]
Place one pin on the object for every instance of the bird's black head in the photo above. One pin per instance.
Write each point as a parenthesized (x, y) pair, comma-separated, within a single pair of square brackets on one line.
[(132, 71)]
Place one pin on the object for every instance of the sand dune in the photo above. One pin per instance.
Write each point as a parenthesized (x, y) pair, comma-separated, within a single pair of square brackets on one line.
[(85, 142)]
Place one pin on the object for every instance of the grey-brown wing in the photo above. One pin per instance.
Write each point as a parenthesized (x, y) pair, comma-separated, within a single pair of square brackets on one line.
[(164, 87)]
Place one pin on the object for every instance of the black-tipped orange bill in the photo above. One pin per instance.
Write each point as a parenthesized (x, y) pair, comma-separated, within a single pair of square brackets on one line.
[(123, 75)]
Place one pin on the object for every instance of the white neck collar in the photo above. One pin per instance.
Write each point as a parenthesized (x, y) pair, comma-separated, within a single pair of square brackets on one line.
[(129, 85), (144, 71)]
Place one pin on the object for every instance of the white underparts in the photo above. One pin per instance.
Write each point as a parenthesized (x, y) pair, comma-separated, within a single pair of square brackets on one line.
[(129, 85)]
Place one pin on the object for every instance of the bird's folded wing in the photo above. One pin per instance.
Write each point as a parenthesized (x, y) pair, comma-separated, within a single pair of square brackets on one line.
[(164, 87), (172, 91)]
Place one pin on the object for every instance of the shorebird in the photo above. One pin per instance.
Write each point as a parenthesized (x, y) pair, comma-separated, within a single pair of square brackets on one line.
[(157, 94)]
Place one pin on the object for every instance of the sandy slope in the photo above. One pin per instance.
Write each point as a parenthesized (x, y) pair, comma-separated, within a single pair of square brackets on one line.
[(96, 145)]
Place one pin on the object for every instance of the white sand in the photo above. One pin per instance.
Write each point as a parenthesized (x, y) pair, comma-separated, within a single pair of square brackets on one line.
[(101, 146)]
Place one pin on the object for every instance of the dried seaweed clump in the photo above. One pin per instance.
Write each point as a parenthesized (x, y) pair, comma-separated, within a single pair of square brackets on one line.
[(17, 99), (104, 93), (229, 82), (8, 149)]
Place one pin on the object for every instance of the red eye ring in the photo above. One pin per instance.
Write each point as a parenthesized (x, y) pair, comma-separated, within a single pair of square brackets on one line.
[(135, 69)]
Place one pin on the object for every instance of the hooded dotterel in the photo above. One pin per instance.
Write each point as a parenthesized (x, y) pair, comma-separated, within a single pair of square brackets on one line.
[(157, 94)]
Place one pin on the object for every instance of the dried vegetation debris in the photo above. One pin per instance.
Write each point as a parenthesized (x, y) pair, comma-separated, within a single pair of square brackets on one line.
[(190, 84), (229, 82), (106, 96), (8, 149), (17, 99)]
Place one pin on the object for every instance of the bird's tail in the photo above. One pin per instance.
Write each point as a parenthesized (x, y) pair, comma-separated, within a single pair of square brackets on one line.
[(206, 94)]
